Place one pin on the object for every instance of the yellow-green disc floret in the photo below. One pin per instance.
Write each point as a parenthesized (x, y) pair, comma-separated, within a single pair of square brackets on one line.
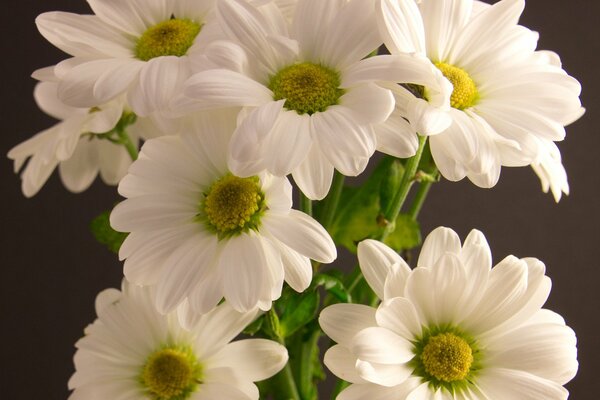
[(233, 205), (171, 373), (447, 357), (307, 88), (465, 92), (173, 37)]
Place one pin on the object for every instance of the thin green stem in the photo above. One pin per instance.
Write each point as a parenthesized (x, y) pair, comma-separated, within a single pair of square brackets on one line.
[(410, 169), (306, 205), (286, 376), (420, 197), (126, 141), (306, 372), (332, 200)]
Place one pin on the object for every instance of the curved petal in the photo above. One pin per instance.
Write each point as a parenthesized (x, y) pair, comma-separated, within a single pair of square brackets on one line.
[(401, 26), (381, 346), (500, 383), (341, 322), (133, 16), (254, 359), (314, 175), (441, 240), (301, 233), (342, 363), (375, 260)]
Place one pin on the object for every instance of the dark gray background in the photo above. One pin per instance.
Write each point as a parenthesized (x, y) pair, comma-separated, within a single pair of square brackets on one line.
[(53, 269)]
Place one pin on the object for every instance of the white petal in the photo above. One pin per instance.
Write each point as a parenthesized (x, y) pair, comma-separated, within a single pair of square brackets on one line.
[(222, 88), (442, 21), (133, 16), (498, 383), (84, 35), (46, 97), (244, 264), (298, 269), (78, 172), (381, 346), (184, 269), (342, 321), (247, 147), (400, 316), (396, 137), (342, 46), (369, 103), (342, 363), (289, 143), (314, 175), (441, 240), (211, 391), (311, 20), (375, 260), (376, 392), (385, 375), (401, 26), (301, 233), (254, 359)]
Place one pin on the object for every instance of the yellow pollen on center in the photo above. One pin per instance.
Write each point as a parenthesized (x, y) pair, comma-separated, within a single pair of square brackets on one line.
[(465, 92), (170, 374), (447, 357), (234, 204), (173, 37), (306, 87)]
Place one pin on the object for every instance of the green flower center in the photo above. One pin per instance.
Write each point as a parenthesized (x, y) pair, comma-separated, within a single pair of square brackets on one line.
[(172, 373), (234, 205), (306, 87), (447, 357), (173, 37), (465, 92)]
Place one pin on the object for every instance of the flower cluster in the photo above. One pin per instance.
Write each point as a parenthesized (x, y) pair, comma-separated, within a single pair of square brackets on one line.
[(229, 97)]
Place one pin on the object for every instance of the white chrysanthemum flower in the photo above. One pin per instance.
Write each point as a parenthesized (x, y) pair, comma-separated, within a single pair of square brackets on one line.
[(313, 102), (133, 352), (202, 233), (550, 170), (75, 144), (506, 95), (138, 47), (453, 328)]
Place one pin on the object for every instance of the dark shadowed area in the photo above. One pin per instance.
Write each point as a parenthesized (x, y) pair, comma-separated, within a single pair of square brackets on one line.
[(53, 268)]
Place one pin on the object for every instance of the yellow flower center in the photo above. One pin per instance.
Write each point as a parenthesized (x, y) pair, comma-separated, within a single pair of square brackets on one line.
[(171, 373), (465, 92), (173, 37), (233, 205), (306, 87), (447, 357)]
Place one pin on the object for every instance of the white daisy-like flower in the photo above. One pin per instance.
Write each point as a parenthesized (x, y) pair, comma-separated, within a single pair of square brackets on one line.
[(550, 170), (138, 47), (506, 95), (75, 144), (313, 104), (453, 328), (131, 352), (200, 233)]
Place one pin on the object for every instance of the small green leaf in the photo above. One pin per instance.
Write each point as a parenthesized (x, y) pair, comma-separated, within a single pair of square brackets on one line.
[(254, 327), (406, 235), (272, 325), (105, 234), (333, 285), (295, 317)]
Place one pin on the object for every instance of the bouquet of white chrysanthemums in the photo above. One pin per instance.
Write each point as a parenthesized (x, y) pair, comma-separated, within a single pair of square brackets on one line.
[(229, 97)]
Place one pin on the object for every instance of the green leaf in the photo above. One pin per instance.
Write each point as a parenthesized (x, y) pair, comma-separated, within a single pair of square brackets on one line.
[(300, 314), (105, 234), (361, 209), (254, 327), (333, 285), (406, 235), (272, 325)]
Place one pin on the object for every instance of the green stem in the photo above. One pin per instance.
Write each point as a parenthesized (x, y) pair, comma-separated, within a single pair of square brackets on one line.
[(286, 377), (306, 205), (126, 141), (420, 197), (410, 169), (306, 363), (332, 200)]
